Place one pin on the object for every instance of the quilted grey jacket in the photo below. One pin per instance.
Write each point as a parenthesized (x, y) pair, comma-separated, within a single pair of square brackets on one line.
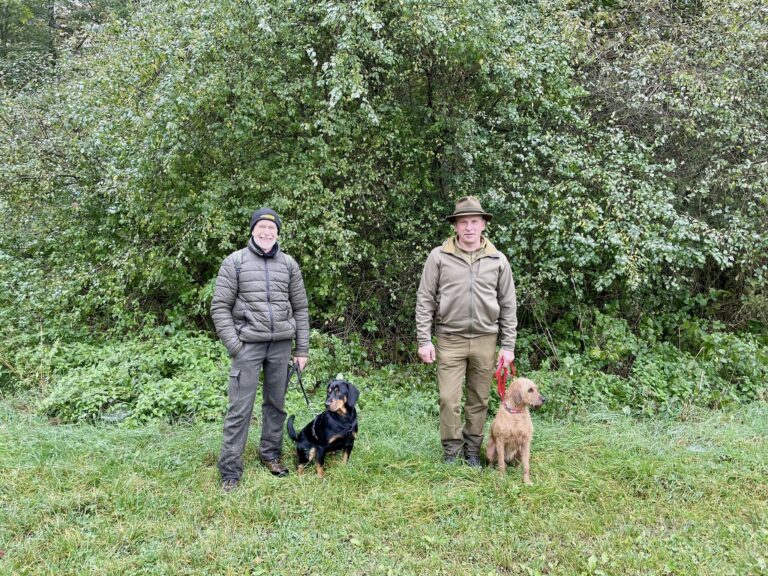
[(267, 301)]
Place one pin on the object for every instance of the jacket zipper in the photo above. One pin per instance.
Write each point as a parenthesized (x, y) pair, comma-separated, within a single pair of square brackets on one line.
[(269, 300), (471, 294)]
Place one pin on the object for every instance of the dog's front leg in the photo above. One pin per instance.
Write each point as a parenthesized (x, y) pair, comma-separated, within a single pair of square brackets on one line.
[(346, 452), (320, 463), (525, 458), (501, 458)]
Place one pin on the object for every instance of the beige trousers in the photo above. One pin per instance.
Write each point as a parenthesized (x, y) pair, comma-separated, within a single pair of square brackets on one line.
[(459, 358)]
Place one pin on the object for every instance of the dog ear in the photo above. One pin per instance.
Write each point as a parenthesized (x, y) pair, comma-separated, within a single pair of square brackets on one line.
[(352, 395), (514, 393)]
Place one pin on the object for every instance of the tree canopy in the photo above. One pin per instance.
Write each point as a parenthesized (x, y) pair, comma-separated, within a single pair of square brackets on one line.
[(620, 146)]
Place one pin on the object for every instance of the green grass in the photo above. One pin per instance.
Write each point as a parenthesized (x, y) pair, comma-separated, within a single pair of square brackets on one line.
[(611, 495)]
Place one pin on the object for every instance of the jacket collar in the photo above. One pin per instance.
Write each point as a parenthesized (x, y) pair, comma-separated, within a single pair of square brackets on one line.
[(487, 248), (253, 247)]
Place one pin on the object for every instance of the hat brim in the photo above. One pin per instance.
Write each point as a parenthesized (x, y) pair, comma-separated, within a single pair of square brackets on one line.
[(485, 215)]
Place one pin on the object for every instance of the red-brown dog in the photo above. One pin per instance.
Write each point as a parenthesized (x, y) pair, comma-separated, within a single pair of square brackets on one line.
[(512, 428)]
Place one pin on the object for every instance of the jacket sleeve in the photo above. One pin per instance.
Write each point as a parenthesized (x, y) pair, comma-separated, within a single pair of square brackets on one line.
[(224, 296), (300, 306), (426, 300), (507, 307)]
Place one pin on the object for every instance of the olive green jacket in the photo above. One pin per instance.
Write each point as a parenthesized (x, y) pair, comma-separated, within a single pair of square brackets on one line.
[(467, 294)]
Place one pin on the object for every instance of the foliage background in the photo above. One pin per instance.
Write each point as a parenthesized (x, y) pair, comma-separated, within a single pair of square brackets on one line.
[(621, 147)]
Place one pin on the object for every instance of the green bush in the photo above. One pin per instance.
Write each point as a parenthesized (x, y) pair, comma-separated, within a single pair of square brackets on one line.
[(663, 365), (576, 385), (739, 359), (331, 355), (666, 378), (167, 376), (158, 376), (361, 123), (183, 375)]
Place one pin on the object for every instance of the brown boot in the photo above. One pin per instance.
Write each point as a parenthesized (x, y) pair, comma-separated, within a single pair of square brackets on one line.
[(276, 467)]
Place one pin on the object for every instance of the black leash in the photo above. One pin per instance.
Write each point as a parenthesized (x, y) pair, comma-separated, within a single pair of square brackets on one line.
[(294, 369)]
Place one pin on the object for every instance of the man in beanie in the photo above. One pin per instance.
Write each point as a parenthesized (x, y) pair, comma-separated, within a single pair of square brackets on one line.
[(260, 309), (468, 294)]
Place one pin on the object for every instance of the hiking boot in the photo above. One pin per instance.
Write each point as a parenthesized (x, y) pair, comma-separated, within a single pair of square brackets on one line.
[(449, 459), (473, 460), (229, 484), (275, 467)]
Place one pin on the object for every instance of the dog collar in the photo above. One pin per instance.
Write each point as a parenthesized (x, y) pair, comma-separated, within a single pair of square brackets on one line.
[(513, 410)]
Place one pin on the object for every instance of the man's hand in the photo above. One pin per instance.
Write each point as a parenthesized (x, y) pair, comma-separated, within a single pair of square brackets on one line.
[(505, 358), (301, 361), (427, 353)]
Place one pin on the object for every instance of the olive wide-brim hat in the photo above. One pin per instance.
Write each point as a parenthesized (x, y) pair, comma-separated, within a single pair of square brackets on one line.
[(468, 206)]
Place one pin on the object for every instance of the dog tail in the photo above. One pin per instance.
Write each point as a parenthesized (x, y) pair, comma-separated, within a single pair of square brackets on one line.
[(291, 431)]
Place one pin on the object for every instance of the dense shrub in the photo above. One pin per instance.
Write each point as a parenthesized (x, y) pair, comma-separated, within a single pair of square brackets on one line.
[(620, 146), (642, 371), (155, 377), (167, 376), (361, 123), (181, 376)]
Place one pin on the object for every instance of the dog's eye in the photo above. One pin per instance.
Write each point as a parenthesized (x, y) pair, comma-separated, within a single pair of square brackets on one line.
[(530, 390)]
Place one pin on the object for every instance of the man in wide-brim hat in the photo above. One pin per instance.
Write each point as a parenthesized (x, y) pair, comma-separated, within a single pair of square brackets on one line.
[(467, 292)]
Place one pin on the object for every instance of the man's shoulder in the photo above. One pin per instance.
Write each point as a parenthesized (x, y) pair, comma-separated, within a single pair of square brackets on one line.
[(290, 261), (233, 257), (447, 247), (438, 252), (238, 257), (489, 249)]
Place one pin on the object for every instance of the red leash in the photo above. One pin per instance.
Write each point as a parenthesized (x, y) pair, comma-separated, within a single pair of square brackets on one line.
[(502, 373)]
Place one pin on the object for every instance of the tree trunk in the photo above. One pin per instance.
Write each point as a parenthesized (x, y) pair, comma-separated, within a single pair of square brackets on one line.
[(4, 30), (52, 29)]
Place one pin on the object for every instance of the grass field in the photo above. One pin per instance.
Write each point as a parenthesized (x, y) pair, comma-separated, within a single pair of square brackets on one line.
[(611, 495)]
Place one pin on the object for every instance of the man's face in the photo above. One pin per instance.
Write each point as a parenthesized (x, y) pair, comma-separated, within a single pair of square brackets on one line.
[(265, 234), (469, 230)]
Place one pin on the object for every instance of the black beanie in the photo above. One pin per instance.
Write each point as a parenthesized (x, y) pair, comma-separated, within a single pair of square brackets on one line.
[(265, 214)]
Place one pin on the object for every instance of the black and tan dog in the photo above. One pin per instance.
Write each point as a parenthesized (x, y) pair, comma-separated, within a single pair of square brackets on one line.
[(333, 430)]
